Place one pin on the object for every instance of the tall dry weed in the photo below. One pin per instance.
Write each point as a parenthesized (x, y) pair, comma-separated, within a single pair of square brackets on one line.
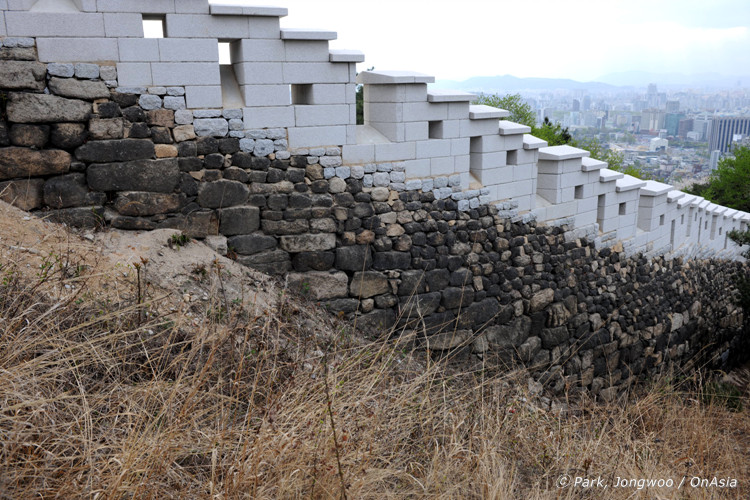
[(134, 398)]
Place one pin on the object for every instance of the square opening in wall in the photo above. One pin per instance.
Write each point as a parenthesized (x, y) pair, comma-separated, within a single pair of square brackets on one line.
[(435, 129), (623, 205), (302, 93), (579, 192), (661, 220), (154, 26), (224, 53)]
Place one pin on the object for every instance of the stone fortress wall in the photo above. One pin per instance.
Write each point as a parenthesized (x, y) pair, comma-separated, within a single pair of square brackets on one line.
[(435, 215), (289, 79)]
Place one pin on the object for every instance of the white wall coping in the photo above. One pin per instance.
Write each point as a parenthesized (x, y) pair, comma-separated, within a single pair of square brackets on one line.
[(393, 77), (607, 175), (674, 195), (716, 209), (730, 213), (247, 10), (654, 188), (531, 142), (509, 128), (703, 205), (688, 199), (305, 34), (343, 55), (484, 112), (628, 183), (441, 95), (564, 152), (590, 164)]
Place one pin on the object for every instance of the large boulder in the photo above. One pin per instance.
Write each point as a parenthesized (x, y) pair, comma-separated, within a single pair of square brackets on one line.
[(17, 75), (116, 150), (78, 89), (222, 193), (139, 203), (319, 285), (369, 284), (25, 194), (67, 135), (45, 108), (160, 176), (239, 220), (70, 191), (308, 242), (18, 162), (29, 136)]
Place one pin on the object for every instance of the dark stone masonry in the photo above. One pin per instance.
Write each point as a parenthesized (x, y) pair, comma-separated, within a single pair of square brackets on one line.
[(471, 282)]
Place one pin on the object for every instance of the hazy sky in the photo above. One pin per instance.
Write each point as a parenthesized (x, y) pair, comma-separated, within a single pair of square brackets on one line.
[(578, 39)]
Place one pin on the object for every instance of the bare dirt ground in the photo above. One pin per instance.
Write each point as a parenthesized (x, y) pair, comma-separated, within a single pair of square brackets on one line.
[(187, 273)]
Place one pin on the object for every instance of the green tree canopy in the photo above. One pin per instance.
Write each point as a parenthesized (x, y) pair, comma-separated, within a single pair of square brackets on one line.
[(520, 111), (729, 184)]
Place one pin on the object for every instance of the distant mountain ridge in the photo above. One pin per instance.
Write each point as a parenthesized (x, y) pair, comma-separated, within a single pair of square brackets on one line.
[(613, 81), (509, 83)]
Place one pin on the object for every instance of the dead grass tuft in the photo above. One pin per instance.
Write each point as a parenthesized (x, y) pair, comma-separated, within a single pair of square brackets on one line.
[(110, 397)]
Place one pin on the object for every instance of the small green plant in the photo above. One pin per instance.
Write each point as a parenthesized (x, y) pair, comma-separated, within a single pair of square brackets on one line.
[(200, 270), (178, 240), (723, 394)]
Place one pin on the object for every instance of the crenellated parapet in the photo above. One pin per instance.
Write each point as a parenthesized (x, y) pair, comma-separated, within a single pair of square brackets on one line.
[(285, 92)]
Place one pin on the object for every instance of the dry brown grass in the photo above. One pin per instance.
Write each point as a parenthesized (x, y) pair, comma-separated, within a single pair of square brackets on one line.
[(102, 397)]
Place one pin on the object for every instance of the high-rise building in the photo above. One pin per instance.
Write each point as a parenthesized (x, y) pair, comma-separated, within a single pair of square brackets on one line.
[(576, 105), (586, 104), (684, 127), (726, 130), (673, 106), (713, 162), (672, 122)]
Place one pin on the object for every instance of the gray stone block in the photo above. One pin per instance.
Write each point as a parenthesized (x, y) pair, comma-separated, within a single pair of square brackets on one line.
[(212, 127), (44, 108), (123, 25), (138, 49), (174, 102), (116, 151), (20, 162), (203, 96), (134, 75), (150, 102), (188, 50), (222, 193), (22, 75), (78, 89), (25, 194), (54, 24), (185, 73), (161, 176), (239, 220), (77, 49), (64, 70)]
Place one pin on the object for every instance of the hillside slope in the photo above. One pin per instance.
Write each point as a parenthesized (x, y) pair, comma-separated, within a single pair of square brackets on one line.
[(195, 378)]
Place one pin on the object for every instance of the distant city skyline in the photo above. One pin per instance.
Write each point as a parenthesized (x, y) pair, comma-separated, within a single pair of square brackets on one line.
[(583, 40)]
